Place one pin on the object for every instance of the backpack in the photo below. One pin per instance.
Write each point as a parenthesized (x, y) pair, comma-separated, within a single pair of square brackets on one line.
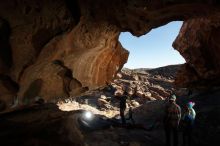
[(187, 122), (172, 116)]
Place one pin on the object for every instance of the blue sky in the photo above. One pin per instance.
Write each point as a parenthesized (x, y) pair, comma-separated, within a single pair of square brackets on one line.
[(153, 49)]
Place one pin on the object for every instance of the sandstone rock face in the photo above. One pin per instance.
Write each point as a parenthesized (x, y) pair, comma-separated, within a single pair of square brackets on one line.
[(52, 53), (8, 91), (68, 60), (198, 44), (60, 48), (30, 26)]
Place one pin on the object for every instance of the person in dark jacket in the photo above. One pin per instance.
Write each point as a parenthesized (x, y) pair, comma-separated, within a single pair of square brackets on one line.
[(171, 121), (123, 108)]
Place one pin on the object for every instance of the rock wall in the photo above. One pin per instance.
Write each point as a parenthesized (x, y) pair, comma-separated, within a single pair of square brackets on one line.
[(76, 61), (198, 44), (60, 48), (29, 26), (49, 50)]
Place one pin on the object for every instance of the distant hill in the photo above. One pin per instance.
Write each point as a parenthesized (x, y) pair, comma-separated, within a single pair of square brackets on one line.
[(165, 71)]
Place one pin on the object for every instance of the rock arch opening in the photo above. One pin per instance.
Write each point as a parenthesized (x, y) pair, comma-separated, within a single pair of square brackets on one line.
[(153, 49)]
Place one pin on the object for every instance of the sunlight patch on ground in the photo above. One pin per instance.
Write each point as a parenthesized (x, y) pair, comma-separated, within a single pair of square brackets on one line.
[(76, 106)]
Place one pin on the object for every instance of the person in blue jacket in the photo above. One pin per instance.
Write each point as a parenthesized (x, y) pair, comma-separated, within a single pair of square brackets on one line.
[(188, 121)]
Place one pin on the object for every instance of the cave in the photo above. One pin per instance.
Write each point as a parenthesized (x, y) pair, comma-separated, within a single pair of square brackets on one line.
[(52, 50)]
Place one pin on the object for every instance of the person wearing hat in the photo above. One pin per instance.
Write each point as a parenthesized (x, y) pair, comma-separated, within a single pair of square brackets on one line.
[(188, 123), (171, 121)]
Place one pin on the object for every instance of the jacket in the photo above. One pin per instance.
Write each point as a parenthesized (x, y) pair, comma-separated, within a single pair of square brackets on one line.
[(172, 115)]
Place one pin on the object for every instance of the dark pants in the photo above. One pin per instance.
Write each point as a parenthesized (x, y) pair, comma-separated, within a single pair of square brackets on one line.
[(122, 114), (187, 137), (171, 136), (132, 120)]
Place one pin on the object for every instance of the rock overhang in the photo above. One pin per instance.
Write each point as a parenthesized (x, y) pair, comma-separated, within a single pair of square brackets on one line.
[(83, 36)]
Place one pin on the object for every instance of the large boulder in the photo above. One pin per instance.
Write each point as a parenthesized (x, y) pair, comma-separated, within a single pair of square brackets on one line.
[(161, 91)]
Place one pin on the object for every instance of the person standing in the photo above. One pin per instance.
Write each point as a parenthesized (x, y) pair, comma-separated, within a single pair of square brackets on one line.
[(123, 99), (122, 105), (188, 123), (171, 121)]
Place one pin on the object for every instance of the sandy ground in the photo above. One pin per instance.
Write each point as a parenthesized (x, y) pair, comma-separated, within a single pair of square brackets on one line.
[(76, 106), (149, 114)]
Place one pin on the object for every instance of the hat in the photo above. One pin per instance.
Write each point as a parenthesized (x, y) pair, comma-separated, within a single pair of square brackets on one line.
[(190, 104), (173, 97), (118, 93)]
